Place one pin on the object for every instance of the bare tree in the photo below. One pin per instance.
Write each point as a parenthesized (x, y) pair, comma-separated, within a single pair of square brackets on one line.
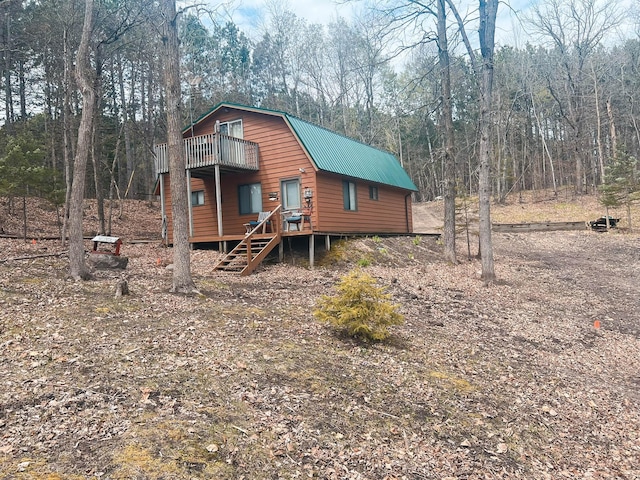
[(487, 13), (575, 29), (84, 76), (182, 281), (449, 132)]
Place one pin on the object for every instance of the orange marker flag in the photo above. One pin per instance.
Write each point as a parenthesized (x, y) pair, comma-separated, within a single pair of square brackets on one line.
[(596, 324)]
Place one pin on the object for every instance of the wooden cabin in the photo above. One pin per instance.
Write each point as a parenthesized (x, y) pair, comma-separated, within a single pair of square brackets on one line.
[(304, 179)]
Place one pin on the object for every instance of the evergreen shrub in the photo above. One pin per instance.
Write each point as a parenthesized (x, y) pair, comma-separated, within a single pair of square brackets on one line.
[(360, 308)]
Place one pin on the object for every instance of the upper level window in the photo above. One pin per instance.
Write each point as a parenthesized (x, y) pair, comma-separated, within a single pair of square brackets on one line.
[(373, 192), (349, 195), (250, 198), (233, 129)]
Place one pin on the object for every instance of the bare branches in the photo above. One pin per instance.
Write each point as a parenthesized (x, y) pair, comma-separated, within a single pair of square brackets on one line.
[(463, 33), (577, 25)]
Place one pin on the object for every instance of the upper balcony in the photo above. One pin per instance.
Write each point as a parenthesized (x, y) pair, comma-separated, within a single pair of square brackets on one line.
[(203, 152)]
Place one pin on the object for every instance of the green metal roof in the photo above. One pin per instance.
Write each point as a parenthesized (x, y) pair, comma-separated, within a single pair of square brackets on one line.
[(335, 153)]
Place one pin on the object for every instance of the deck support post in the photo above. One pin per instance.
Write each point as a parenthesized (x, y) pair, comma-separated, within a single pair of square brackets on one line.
[(218, 199), (190, 203), (281, 251), (311, 250), (327, 242), (163, 209)]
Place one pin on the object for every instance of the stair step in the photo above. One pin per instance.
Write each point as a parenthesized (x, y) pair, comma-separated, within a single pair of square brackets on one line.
[(237, 259)]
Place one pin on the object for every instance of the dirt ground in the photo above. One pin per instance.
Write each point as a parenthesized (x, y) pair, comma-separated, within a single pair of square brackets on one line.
[(508, 381)]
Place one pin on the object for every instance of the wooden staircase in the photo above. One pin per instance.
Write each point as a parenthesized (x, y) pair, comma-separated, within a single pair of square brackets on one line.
[(254, 247)]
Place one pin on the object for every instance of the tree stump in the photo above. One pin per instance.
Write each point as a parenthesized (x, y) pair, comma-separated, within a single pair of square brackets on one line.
[(122, 288)]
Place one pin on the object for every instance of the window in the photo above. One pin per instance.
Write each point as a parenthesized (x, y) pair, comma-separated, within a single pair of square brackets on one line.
[(197, 198), (232, 149), (250, 198), (373, 192), (233, 129), (349, 195), (291, 194)]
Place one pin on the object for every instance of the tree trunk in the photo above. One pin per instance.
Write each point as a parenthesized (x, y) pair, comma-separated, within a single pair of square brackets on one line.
[(182, 281), (66, 134), (22, 85), (488, 12), (596, 95), (125, 121), (77, 267), (97, 180), (449, 156), (24, 218), (96, 145), (612, 133), (542, 133), (8, 100)]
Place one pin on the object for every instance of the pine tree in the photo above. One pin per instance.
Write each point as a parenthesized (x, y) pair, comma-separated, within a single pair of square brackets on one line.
[(621, 187)]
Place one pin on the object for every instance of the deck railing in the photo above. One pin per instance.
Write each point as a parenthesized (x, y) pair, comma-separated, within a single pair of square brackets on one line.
[(212, 149)]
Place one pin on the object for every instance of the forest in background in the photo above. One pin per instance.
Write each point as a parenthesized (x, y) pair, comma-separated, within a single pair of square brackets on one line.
[(564, 109)]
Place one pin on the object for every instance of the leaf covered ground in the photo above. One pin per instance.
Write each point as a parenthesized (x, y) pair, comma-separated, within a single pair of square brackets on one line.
[(507, 381)]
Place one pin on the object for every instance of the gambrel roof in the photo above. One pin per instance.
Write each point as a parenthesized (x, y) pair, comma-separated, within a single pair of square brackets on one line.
[(335, 153)]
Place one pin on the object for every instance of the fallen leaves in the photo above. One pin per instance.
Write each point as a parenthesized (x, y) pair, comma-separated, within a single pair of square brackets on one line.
[(505, 382)]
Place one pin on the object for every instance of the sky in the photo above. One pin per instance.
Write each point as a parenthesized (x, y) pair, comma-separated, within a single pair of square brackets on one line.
[(248, 12), (249, 15)]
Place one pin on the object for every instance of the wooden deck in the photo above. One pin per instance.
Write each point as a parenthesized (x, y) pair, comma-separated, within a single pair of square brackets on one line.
[(237, 238), (203, 152)]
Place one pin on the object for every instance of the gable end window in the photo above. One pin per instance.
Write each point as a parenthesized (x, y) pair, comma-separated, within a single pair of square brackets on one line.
[(349, 195), (373, 192), (250, 198), (197, 198)]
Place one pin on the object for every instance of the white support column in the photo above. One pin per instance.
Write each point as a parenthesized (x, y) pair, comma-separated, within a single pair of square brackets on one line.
[(327, 242), (218, 200), (281, 250), (311, 250), (163, 209), (190, 203)]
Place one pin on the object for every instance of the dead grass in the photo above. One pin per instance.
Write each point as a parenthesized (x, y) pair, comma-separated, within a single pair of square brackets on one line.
[(528, 207)]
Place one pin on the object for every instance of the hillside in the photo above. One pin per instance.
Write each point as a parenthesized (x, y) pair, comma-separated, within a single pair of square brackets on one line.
[(527, 207), (511, 381), (141, 219)]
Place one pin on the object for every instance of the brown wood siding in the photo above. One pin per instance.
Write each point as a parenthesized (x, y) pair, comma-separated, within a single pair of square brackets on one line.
[(388, 214), (281, 158), (204, 216)]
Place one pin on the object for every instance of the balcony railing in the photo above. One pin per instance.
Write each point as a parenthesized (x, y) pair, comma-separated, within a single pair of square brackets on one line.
[(212, 149)]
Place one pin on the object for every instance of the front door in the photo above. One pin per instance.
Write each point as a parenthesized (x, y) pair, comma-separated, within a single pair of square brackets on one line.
[(291, 194)]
